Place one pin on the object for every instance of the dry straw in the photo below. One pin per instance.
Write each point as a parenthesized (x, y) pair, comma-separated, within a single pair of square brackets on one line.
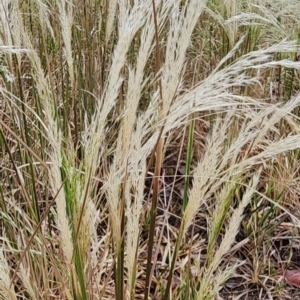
[(96, 97)]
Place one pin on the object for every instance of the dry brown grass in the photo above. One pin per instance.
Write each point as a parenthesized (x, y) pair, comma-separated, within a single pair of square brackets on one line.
[(102, 104)]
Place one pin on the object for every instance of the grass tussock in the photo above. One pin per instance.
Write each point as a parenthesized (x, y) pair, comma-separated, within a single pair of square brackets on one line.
[(149, 149)]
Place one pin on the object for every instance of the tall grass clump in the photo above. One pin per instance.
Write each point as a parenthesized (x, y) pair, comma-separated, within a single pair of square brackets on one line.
[(149, 149)]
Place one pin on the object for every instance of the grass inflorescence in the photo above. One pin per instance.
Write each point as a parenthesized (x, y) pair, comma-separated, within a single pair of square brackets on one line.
[(149, 149)]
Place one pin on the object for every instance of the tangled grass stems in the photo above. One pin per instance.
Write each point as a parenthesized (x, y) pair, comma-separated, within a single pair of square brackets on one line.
[(95, 99)]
